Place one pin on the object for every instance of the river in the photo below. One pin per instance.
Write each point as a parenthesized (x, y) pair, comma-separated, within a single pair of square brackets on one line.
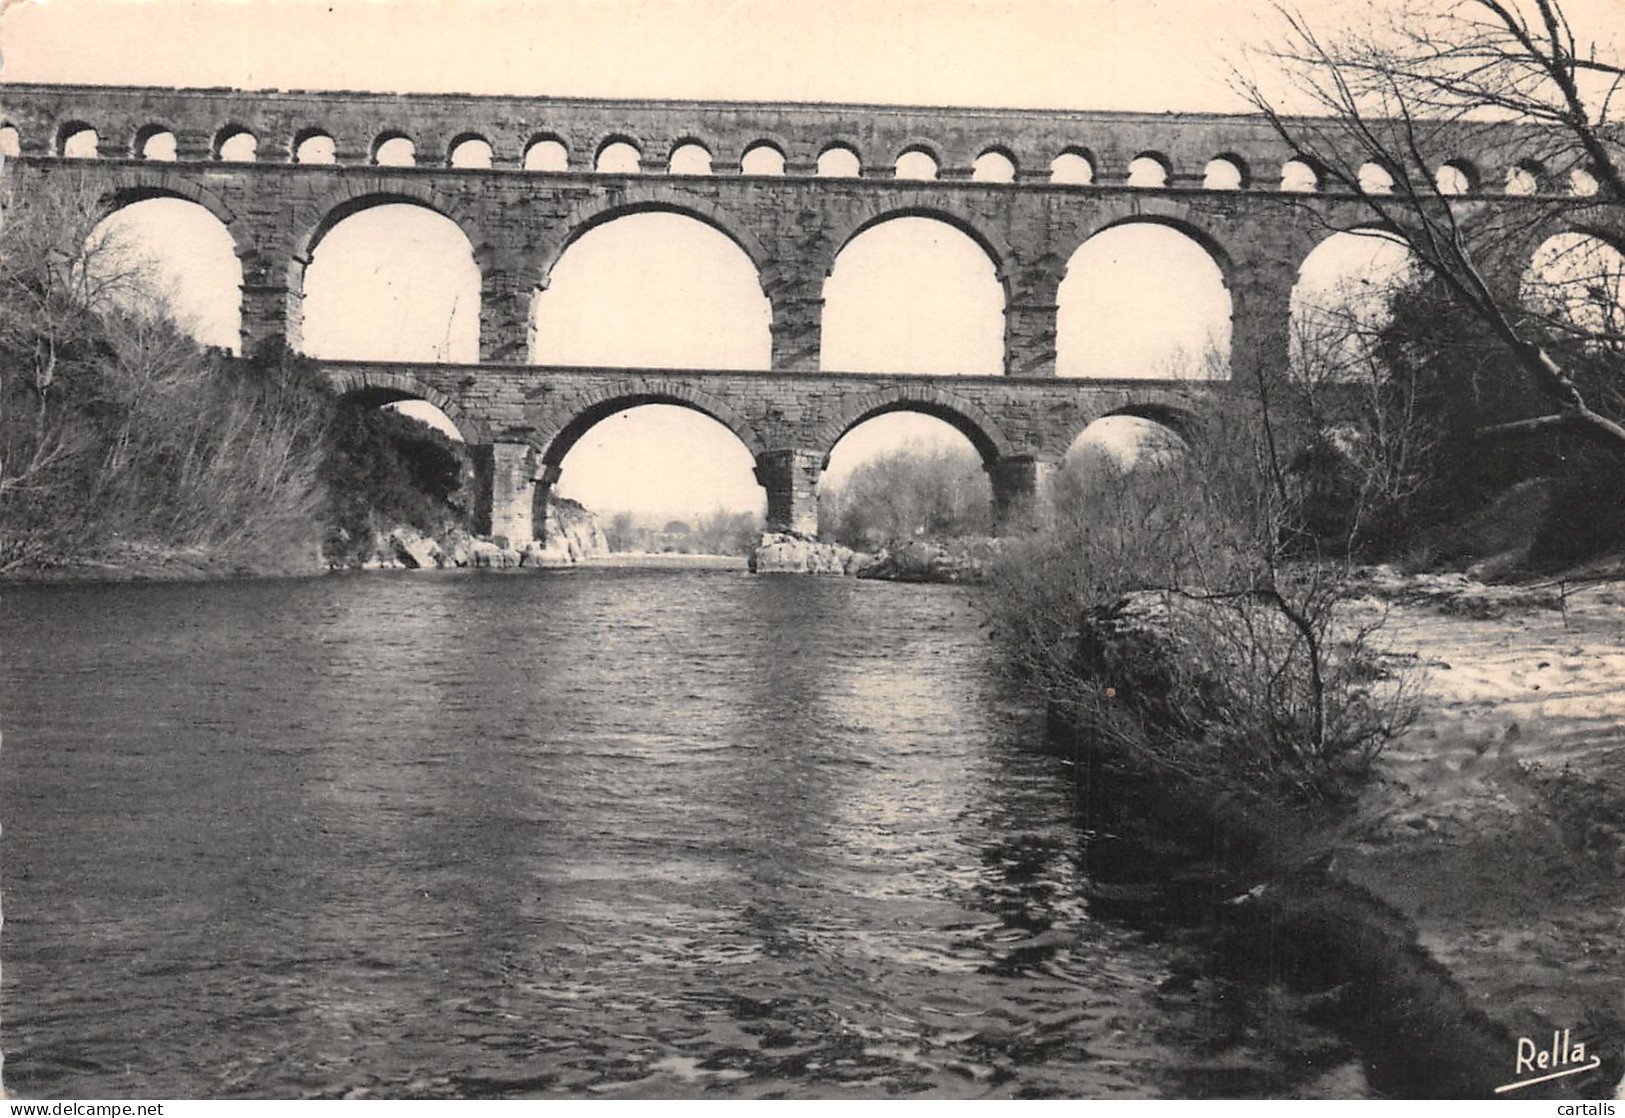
[(593, 833)]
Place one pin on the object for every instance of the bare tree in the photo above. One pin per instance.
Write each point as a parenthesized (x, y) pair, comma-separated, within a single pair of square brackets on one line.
[(1391, 95), (114, 424), (55, 277)]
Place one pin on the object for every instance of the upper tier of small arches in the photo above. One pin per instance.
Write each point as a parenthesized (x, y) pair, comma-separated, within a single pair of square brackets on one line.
[(680, 138)]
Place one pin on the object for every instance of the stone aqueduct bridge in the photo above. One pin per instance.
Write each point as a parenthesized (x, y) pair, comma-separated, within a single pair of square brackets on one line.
[(791, 225)]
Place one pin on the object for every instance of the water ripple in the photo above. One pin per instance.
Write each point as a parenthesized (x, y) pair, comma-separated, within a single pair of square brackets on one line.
[(606, 833)]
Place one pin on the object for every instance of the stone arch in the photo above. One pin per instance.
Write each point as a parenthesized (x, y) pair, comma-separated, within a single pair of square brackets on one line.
[(1150, 164), (962, 414), (144, 135), (553, 440), (1180, 418), (1583, 181), (529, 154), (304, 136), (607, 140), (229, 132), (1527, 176), (918, 146), (137, 184), (1338, 284), (841, 143), (69, 129), (1302, 175), (1225, 167), (771, 141), (316, 218), (1203, 238), (1075, 166), (372, 385), (462, 138), (686, 141), (389, 136), (1178, 415), (1146, 316), (939, 205), (1550, 287), (1457, 177), (992, 169), (191, 263), (1378, 176), (1611, 235), (649, 197)]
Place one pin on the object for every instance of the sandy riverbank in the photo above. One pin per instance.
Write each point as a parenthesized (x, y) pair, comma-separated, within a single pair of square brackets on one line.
[(1498, 820)]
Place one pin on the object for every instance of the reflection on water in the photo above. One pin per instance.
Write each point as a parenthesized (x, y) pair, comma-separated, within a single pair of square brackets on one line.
[(612, 832)]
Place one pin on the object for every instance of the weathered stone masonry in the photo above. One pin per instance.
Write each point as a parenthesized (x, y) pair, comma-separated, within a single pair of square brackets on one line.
[(792, 227), (789, 421)]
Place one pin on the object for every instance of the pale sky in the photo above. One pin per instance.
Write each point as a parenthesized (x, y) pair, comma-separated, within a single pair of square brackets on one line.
[(1113, 54), (1150, 55)]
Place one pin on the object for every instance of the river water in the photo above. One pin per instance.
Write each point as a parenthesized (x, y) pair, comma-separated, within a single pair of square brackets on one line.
[(588, 833)]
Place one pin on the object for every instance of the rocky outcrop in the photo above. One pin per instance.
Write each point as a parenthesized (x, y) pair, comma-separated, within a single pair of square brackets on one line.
[(932, 561), (572, 535), (919, 561), (787, 553), (414, 550), (488, 554)]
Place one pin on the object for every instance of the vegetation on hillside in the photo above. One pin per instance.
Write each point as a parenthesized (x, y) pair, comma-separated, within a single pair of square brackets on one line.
[(115, 427), (384, 469), (1228, 662), (124, 441)]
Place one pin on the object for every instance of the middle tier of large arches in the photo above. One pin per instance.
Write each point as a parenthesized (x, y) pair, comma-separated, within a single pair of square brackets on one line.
[(1048, 281)]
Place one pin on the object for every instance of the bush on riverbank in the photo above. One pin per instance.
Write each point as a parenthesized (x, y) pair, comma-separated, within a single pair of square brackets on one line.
[(116, 429), (383, 471), (126, 446), (1177, 619)]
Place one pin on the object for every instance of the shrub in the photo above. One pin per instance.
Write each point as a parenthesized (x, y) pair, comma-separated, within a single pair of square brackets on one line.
[(1237, 669), (384, 468)]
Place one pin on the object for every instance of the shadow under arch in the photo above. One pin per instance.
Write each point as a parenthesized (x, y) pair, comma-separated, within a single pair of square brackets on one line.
[(1576, 225), (959, 413), (372, 387), (643, 199), (553, 441), (1182, 417), (1182, 420)]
